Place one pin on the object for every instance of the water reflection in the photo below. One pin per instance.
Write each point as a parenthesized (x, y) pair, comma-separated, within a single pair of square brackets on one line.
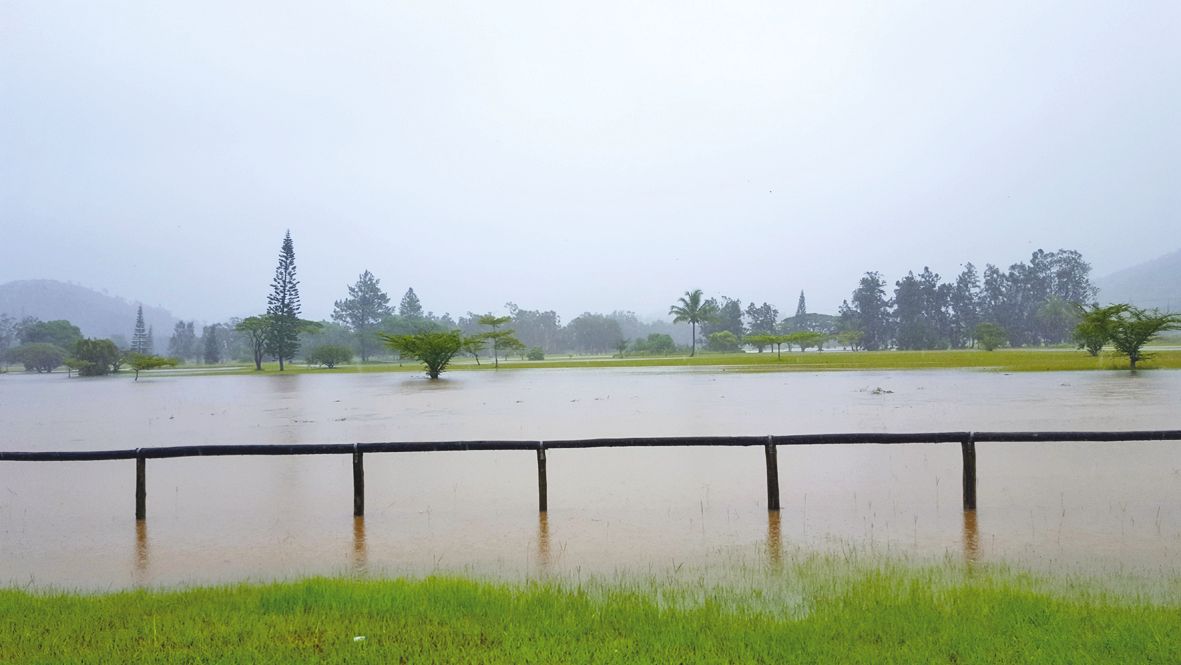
[(543, 560), (421, 384), (284, 384), (360, 551), (774, 539), (971, 538), (141, 552)]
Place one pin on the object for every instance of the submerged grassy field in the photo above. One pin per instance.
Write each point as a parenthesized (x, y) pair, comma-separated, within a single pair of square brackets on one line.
[(884, 614), (1005, 360)]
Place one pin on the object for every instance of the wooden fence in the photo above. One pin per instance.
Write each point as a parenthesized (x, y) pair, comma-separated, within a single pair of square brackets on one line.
[(770, 444)]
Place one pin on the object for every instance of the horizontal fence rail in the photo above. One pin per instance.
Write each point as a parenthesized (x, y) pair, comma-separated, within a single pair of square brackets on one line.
[(770, 443)]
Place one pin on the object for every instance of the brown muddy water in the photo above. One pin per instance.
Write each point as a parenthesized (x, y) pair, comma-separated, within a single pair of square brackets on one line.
[(1087, 508)]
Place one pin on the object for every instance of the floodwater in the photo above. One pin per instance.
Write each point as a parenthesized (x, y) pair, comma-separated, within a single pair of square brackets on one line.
[(1088, 508)]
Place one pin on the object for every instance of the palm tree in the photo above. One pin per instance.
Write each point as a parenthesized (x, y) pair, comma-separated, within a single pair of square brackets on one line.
[(693, 310)]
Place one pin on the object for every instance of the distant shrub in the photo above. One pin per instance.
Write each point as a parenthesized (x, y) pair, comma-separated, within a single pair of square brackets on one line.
[(535, 353), (96, 357), (329, 355), (655, 344), (805, 339), (723, 341), (990, 336), (38, 356)]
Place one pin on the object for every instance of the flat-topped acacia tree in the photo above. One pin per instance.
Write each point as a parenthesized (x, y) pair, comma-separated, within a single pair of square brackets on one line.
[(433, 349), (255, 328), (1134, 327), (140, 362), (501, 340)]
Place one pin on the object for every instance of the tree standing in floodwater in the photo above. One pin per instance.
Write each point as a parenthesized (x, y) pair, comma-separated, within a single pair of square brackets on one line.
[(433, 349), (1135, 327)]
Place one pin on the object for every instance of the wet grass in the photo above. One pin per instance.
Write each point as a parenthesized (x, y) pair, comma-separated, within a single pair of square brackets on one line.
[(1011, 360), (1005, 360), (806, 613)]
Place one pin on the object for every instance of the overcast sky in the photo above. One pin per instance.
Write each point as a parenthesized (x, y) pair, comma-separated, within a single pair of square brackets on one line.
[(577, 156)]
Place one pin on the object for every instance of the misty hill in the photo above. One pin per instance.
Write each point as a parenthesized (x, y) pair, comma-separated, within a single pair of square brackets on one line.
[(97, 314), (1156, 283)]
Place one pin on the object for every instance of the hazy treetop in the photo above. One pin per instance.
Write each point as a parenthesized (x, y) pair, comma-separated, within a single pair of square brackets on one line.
[(577, 156)]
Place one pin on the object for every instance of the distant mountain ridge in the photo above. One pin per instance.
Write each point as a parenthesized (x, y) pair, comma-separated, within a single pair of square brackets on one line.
[(1152, 284), (96, 314)]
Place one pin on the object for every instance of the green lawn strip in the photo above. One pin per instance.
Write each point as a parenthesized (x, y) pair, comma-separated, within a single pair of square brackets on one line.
[(1007, 360), (880, 616)]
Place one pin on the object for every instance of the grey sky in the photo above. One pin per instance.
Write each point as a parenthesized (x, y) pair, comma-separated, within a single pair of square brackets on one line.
[(577, 156)]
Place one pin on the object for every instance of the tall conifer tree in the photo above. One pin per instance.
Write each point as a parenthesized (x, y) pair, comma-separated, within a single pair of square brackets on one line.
[(282, 339), (363, 311), (139, 338), (212, 354), (410, 307)]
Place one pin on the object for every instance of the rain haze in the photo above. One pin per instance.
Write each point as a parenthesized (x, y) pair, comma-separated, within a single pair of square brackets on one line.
[(577, 156), (461, 331)]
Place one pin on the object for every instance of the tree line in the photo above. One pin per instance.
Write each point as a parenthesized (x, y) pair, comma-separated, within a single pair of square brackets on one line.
[(365, 319), (43, 346), (1030, 304), (1047, 301), (366, 313)]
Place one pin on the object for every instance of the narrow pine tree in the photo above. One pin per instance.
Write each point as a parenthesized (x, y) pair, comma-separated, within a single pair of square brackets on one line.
[(139, 338), (363, 311), (282, 339), (212, 354), (410, 307), (150, 341), (190, 341), (182, 345), (801, 308)]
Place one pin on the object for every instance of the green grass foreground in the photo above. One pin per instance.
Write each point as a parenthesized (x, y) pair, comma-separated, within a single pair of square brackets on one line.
[(888, 615), (1004, 360)]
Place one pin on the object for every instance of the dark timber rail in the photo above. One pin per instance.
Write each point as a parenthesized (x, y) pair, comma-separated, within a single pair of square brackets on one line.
[(770, 444)]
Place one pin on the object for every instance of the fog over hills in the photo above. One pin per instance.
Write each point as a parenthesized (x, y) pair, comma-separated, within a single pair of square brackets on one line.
[(1155, 283), (96, 314)]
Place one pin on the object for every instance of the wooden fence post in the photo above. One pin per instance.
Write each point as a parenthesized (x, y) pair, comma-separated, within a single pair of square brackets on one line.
[(141, 486), (968, 448), (772, 475), (542, 486), (358, 483)]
